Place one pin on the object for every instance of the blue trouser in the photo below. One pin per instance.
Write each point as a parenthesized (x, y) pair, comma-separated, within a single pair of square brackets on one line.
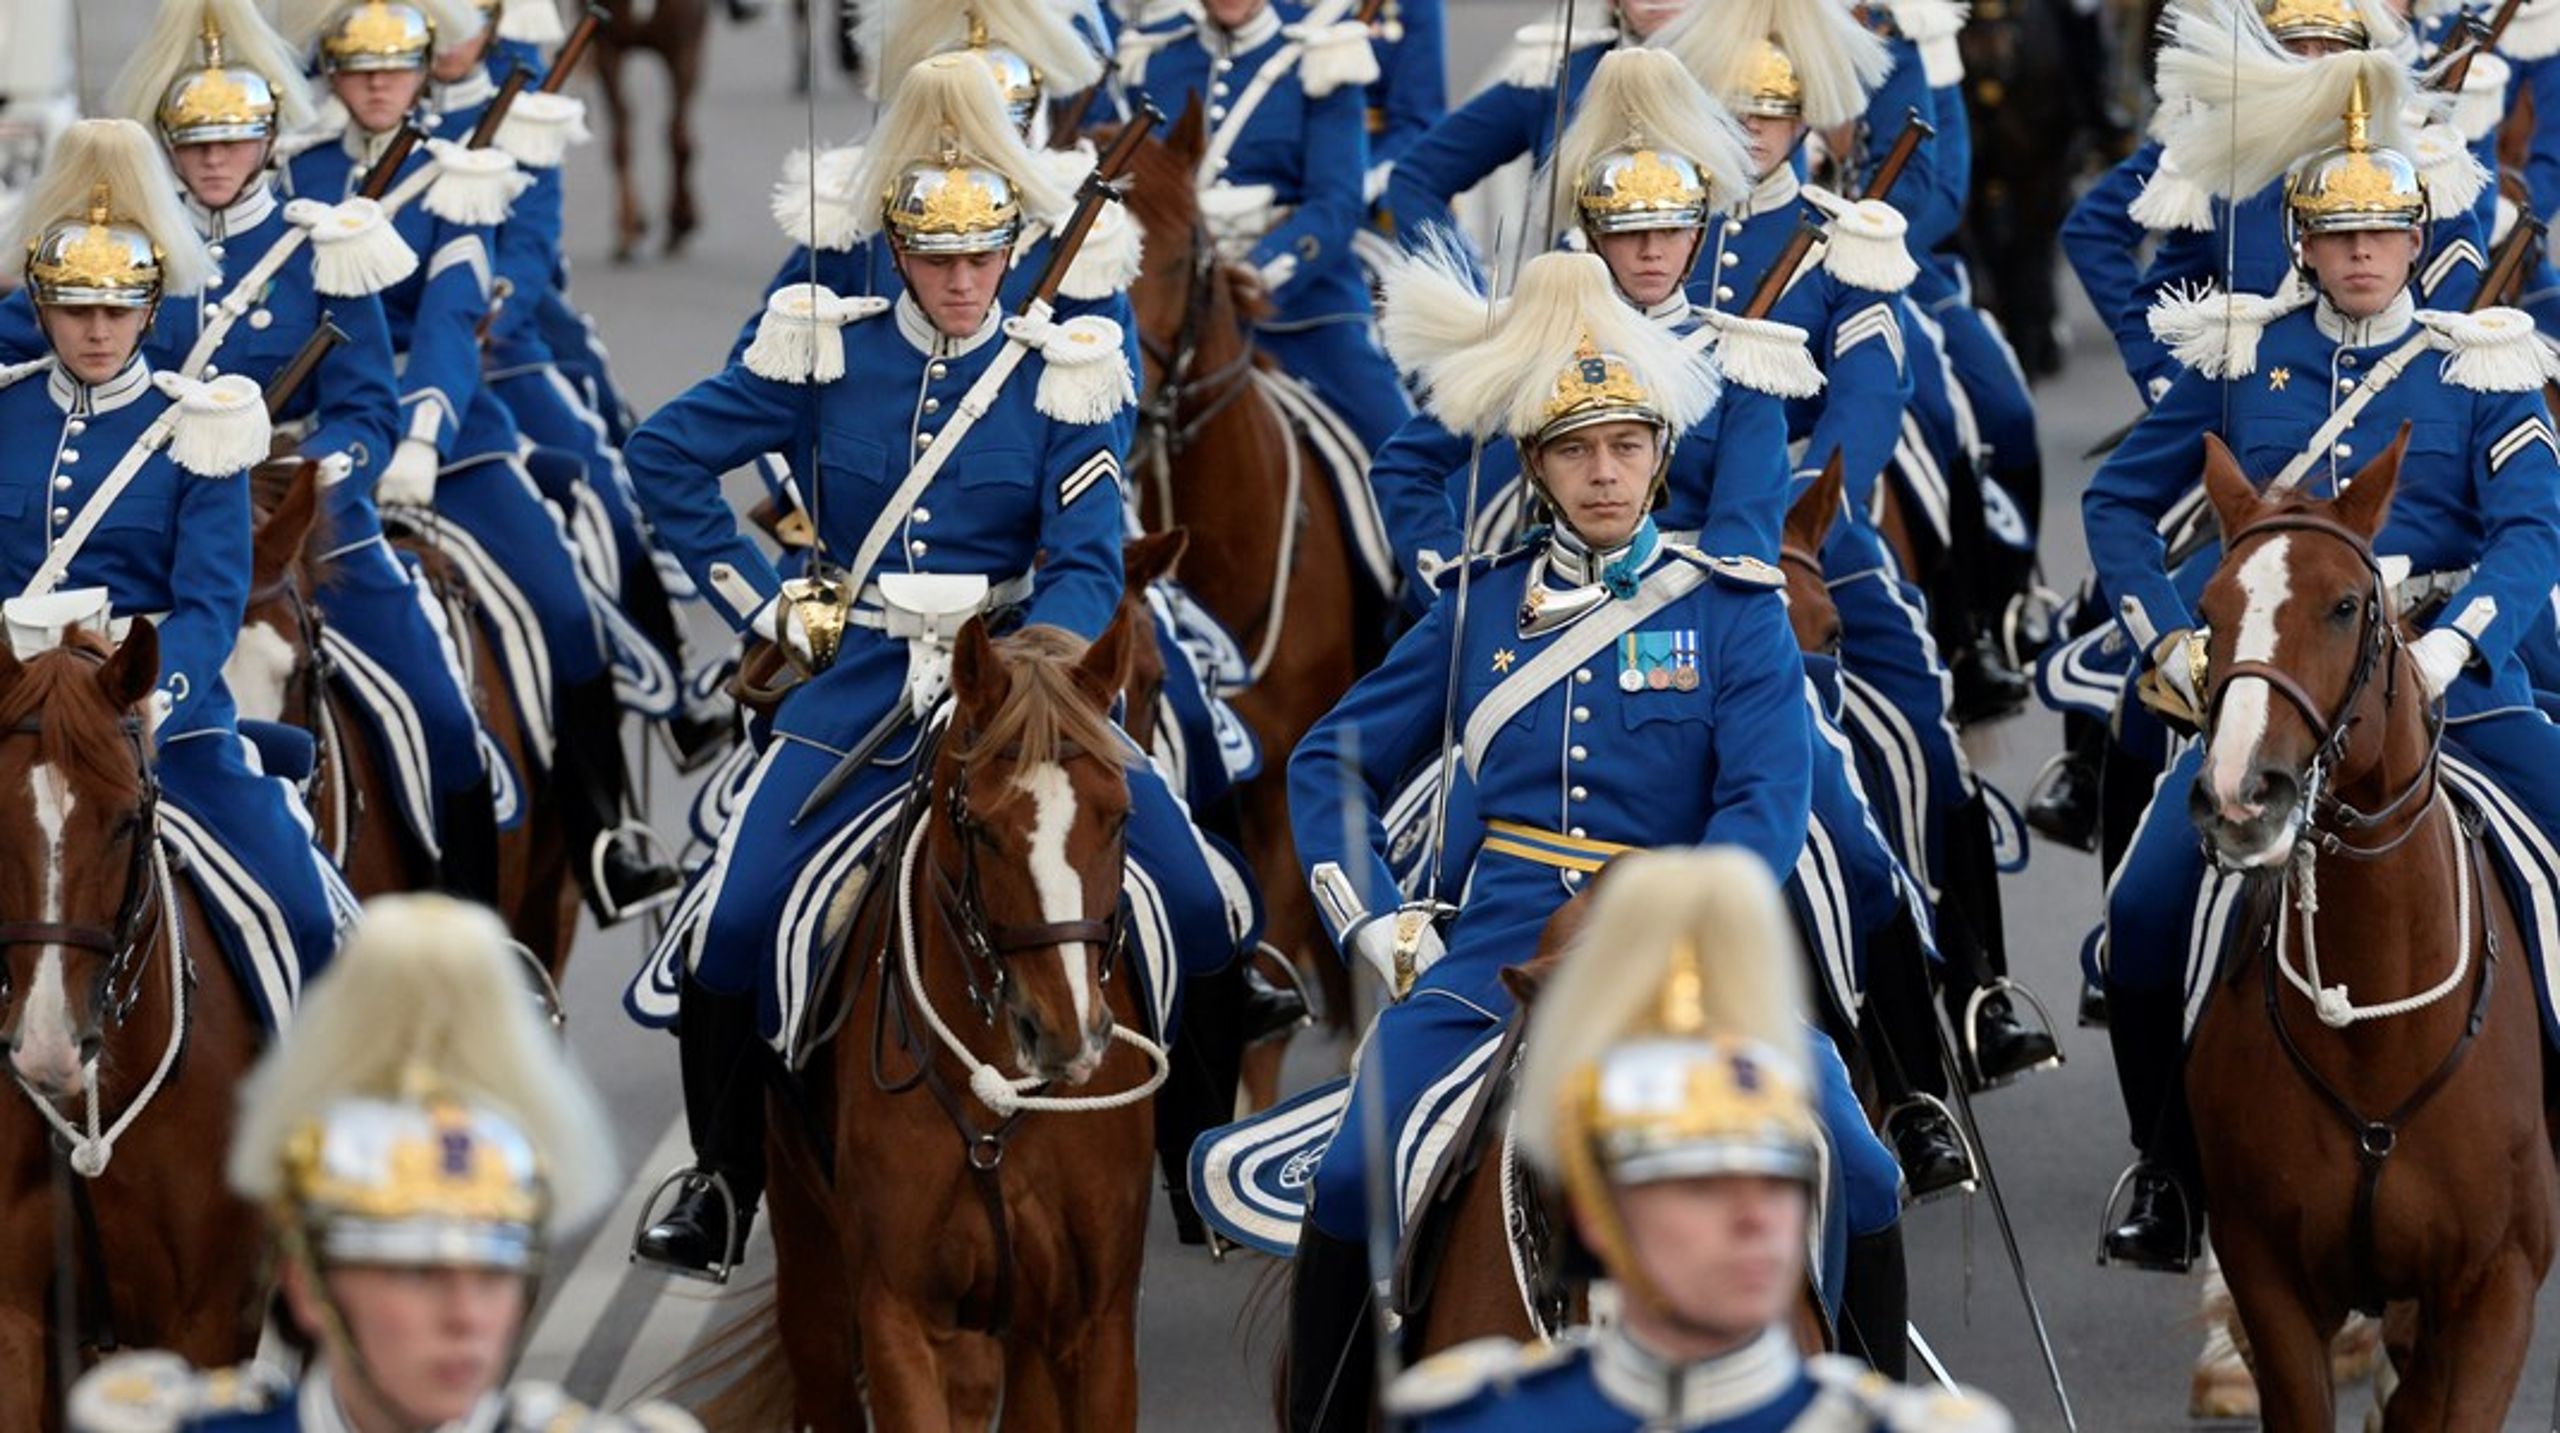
[(770, 884), (250, 855), (494, 500), (420, 718), (1847, 882), (1347, 369), (1915, 771)]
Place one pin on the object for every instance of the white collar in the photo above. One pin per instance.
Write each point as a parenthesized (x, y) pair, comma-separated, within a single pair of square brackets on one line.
[(2384, 327), (932, 342), (317, 1409), (81, 400), (244, 213), (1674, 310), (367, 148), (1777, 189), (473, 88), (1686, 1395), (1253, 34)]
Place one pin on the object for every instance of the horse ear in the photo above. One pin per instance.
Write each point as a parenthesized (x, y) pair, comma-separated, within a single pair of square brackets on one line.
[(2235, 498), (284, 531), (978, 677), (1147, 558), (1809, 520), (1104, 669), (2367, 499), (1189, 137), (128, 676)]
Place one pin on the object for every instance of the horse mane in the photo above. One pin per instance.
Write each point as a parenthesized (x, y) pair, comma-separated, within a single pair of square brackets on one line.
[(1162, 201), (81, 733), (1044, 712)]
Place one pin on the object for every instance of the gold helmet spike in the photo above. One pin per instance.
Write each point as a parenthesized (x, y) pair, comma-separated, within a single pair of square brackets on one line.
[(2356, 185)]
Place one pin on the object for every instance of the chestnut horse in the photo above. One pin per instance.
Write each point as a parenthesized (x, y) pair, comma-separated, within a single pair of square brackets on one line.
[(945, 1262), (678, 32), (2389, 1141), (108, 970), (1268, 557)]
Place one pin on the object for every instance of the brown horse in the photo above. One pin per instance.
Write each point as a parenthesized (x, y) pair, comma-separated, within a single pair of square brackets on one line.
[(1267, 556), (2354, 1154), (103, 959), (678, 32), (945, 1262)]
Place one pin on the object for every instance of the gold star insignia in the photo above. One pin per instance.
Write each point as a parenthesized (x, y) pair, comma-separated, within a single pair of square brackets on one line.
[(1503, 659), (2277, 378)]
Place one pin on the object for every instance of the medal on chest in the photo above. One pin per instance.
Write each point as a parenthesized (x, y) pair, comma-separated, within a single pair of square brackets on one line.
[(1658, 661)]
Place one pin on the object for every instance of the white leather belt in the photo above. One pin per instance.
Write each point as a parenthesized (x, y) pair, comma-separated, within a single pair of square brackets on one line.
[(880, 613)]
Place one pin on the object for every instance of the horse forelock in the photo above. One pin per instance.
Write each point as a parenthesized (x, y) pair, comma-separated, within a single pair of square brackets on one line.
[(1044, 716), (79, 732)]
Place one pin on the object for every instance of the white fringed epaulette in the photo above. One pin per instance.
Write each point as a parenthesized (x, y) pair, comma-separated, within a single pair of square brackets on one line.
[(1335, 54), (1864, 244), (1747, 574), (473, 186), (356, 250), (1531, 62), (1084, 374), (2216, 333), (1933, 25), (2481, 104), (537, 1407), (1855, 1396), (1114, 248), (533, 22), (541, 128), (1764, 355), (832, 220), (2170, 201), (2448, 170), (801, 337), (1461, 1374), (2494, 350), (2534, 34), (221, 428), (153, 1391)]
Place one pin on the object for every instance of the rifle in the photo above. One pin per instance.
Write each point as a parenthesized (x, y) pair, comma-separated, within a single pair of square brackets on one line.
[(574, 49), (297, 371), (1782, 274), (485, 133), (378, 179)]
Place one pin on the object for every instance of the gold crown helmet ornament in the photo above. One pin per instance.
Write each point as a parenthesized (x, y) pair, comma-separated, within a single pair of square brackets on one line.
[(427, 1179), (1595, 388), (1774, 90), (1637, 187), (97, 261), (216, 102), (952, 204), (378, 35), (1017, 79), (2356, 185), (2294, 20)]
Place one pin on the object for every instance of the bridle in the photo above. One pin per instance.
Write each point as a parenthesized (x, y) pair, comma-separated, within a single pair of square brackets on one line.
[(987, 946), (1174, 413), (2330, 820), (122, 945)]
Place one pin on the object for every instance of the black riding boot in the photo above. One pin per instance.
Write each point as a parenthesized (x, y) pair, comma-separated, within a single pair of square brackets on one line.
[(1875, 1303), (468, 823), (2164, 1225), (1999, 1037), (721, 1054), (2063, 804), (620, 874), (1900, 1030), (1333, 1361), (1199, 1091)]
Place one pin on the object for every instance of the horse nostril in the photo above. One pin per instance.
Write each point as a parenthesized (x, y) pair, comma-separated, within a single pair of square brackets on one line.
[(2273, 790)]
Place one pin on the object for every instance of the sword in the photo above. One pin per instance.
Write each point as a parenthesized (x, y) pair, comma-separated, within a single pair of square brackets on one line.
[(857, 757), (1929, 1358)]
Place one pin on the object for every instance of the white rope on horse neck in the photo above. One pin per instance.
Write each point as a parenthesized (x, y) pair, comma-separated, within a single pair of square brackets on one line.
[(1006, 1094), (90, 1150), (2331, 1002), (1277, 614)]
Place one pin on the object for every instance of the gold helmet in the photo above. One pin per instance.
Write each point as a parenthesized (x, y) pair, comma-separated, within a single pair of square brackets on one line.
[(2357, 185), (2291, 21), (420, 1179), (1649, 148), (102, 226), (1017, 79), (1671, 1042), (951, 204), (95, 261), (214, 101), (1808, 60), (1031, 48), (951, 171), (1772, 88), (378, 35), (1594, 388)]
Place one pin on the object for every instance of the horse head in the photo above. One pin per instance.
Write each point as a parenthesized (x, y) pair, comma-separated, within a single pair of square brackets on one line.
[(1810, 610), (73, 869), (1030, 834), (1192, 306), (274, 648), (2301, 629)]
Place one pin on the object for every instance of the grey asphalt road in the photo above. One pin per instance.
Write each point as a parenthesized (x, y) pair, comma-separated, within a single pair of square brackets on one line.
[(2125, 1340)]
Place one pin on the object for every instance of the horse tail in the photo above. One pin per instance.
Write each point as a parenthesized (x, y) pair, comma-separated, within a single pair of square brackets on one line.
[(739, 1378)]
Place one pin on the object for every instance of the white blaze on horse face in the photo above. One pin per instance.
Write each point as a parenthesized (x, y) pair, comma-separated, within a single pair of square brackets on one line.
[(2238, 729), (47, 1052), (1054, 874)]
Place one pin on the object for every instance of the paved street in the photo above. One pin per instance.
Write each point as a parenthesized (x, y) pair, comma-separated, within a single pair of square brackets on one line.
[(2125, 1339)]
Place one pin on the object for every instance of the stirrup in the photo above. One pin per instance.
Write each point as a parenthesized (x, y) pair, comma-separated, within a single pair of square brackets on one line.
[(2026, 613), (546, 991), (2107, 1222), (2003, 985), (1919, 1100), (654, 847), (721, 1264)]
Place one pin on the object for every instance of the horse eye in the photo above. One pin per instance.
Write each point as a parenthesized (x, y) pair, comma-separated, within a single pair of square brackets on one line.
[(2347, 607)]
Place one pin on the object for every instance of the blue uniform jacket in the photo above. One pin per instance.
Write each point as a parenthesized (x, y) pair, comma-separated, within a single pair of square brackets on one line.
[(2479, 485), (1855, 335), (435, 313), (527, 256), (1314, 153), (1412, 88), (1600, 1381), (1931, 192), (2104, 244), (174, 547), (1513, 116), (1584, 758), (1021, 488)]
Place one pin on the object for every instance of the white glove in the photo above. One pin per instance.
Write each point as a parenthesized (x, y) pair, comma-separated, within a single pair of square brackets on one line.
[(1392, 940), (1278, 272), (2177, 670), (2441, 655), (335, 468), (410, 481), (792, 632)]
